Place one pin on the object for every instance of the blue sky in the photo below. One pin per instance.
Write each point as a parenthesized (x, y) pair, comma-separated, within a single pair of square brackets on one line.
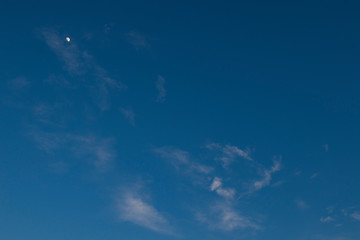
[(180, 120)]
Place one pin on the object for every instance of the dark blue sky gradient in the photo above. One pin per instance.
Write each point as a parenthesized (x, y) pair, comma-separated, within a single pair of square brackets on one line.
[(88, 151)]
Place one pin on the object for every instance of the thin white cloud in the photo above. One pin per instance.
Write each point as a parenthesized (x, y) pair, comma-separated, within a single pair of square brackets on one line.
[(267, 175), (216, 185), (229, 153), (314, 175), (136, 39), (217, 182), (326, 219), (161, 89), (48, 114), (19, 82), (48, 142), (59, 80), (108, 27), (181, 159), (330, 209), (223, 216), (129, 114), (326, 147), (81, 63), (345, 212), (133, 207), (98, 151), (355, 216), (327, 237), (301, 204), (68, 53)]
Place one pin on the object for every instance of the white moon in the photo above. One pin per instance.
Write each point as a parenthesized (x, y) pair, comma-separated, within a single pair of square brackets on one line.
[(67, 39)]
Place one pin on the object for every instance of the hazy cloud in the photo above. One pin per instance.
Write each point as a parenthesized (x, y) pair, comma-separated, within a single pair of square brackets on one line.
[(59, 81), (267, 175), (99, 151), (229, 153), (180, 158), (315, 175), (81, 63), (68, 53), (326, 147), (133, 207), (330, 209), (301, 204), (216, 185), (223, 216), (136, 39), (129, 114), (19, 82), (161, 89), (356, 216), (326, 219)]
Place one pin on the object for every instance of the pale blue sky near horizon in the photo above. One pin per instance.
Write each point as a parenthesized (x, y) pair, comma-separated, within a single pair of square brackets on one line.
[(180, 120)]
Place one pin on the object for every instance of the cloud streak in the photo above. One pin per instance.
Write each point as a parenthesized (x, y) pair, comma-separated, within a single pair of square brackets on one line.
[(267, 175), (81, 64), (181, 159), (133, 207), (223, 216), (161, 89), (229, 153), (355, 216), (68, 53), (227, 193), (128, 114), (326, 219), (301, 204), (136, 39), (98, 151), (19, 82)]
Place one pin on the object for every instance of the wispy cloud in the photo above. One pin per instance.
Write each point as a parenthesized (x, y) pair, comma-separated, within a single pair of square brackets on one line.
[(129, 114), (314, 175), (326, 147), (355, 216), (351, 212), (59, 80), (49, 114), (327, 237), (326, 219), (161, 89), (181, 159), (216, 185), (133, 207), (108, 27), (267, 175), (19, 82), (330, 209), (136, 39), (68, 53), (99, 151), (301, 204), (223, 216), (80, 63), (229, 153)]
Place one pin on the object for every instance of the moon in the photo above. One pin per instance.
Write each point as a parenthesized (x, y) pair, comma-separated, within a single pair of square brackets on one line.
[(67, 39)]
